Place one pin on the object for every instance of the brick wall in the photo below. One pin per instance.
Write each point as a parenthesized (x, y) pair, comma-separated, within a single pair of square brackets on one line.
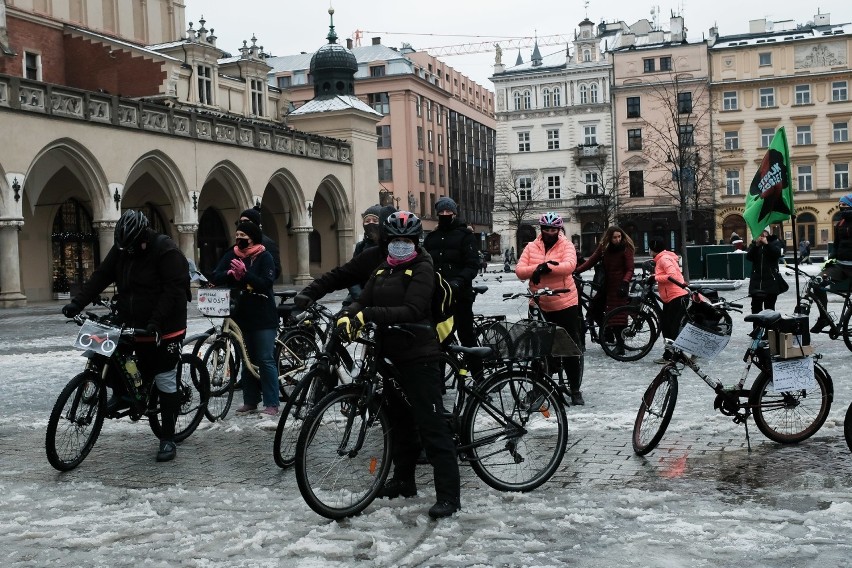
[(90, 66), (44, 40)]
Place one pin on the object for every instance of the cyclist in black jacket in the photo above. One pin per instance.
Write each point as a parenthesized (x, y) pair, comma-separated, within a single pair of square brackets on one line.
[(372, 236), (837, 274), (152, 282)]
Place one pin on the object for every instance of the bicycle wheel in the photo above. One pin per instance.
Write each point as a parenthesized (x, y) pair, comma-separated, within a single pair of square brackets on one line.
[(789, 417), (304, 397), (75, 421), (655, 412), (847, 427), (193, 388), (847, 332), (492, 333), (637, 329), (295, 354), (335, 480), (516, 431), (221, 364)]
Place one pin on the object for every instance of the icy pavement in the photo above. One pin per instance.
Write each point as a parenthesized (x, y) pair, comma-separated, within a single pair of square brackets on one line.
[(700, 499)]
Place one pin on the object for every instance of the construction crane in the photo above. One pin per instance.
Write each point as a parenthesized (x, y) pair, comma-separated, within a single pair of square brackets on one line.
[(476, 47)]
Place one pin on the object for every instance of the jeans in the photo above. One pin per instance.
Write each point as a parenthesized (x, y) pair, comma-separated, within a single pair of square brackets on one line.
[(260, 344)]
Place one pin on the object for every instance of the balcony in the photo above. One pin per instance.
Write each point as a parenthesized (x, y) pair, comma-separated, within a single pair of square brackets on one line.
[(590, 153), (591, 201)]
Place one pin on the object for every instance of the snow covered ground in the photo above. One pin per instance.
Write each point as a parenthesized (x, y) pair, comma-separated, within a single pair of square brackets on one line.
[(701, 499)]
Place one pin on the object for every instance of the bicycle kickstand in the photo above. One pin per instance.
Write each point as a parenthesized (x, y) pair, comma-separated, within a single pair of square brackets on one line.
[(748, 440)]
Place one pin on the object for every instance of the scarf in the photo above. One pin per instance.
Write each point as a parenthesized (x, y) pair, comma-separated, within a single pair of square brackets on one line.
[(397, 261), (249, 252)]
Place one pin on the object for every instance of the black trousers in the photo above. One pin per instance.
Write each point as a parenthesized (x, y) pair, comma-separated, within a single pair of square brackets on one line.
[(569, 320), (761, 302), (673, 313), (463, 319), (421, 385)]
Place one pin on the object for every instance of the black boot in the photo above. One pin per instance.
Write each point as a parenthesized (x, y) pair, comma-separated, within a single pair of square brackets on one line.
[(574, 381), (169, 410), (443, 509), (394, 488)]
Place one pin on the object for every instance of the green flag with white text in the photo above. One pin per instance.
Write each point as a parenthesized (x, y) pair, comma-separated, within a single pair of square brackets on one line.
[(770, 196)]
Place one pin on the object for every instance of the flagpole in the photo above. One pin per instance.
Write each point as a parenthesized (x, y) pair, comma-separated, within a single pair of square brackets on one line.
[(796, 262)]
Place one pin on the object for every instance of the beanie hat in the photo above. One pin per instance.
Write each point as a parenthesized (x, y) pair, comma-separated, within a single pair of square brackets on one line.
[(446, 204), (252, 215), (375, 210), (656, 245), (252, 230)]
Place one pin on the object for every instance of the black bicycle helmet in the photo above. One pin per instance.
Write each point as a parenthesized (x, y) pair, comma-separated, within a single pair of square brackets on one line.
[(404, 224), (130, 229)]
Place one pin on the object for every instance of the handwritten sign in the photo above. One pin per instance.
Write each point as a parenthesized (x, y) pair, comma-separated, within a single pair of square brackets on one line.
[(699, 342), (793, 374), (98, 337), (214, 302)]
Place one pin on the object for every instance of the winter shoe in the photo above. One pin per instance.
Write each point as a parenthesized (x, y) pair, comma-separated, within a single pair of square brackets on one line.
[(820, 324), (442, 509), (577, 399), (660, 361), (393, 488), (270, 411), (116, 403), (246, 409), (167, 452)]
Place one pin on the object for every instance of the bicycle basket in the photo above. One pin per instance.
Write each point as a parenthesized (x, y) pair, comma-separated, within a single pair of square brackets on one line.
[(524, 339)]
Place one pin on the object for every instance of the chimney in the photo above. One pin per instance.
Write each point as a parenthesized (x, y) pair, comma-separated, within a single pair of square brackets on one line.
[(676, 28), (349, 43), (822, 20), (757, 26), (377, 41)]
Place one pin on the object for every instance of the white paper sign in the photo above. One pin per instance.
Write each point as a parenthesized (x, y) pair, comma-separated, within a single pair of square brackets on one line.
[(700, 342), (214, 302), (793, 374), (97, 337)]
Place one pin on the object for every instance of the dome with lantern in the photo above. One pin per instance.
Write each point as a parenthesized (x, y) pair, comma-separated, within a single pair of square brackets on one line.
[(333, 67)]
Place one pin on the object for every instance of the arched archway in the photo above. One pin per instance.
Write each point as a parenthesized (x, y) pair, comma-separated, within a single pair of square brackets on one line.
[(154, 179), (734, 223), (526, 234), (74, 247), (806, 226), (213, 240)]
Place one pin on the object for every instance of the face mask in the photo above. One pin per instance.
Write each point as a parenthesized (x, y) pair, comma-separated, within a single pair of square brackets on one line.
[(549, 238), (400, 249), (371, 232), (445, 221), (242, 244)]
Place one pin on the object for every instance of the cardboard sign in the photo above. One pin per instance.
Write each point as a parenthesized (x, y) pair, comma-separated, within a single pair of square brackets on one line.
[(700, 342), (793, 374), (214, 302), (98, 337)]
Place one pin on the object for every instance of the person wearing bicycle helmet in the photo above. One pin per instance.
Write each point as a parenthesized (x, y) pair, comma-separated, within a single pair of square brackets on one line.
[(151, 276), (400, 292), (838, 270), (549, 262), (666, 266)]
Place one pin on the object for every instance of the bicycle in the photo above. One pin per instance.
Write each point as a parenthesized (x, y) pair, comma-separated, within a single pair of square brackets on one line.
[(343, 450), (838, 327), (789, 416), (79, 412)]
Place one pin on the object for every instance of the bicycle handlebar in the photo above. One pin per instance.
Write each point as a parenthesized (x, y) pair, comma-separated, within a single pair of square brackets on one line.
[(677, 282), (536, 294)]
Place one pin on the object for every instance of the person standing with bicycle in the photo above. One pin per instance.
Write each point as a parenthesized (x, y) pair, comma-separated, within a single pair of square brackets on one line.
[(400, 292), (372, 236), (549, 262), (152, 284), (616, 253), (837, 274), (665, 267), (249, 270), (764, 253)]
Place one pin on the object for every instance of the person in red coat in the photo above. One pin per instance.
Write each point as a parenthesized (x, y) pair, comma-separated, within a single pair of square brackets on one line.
[(615, 252)]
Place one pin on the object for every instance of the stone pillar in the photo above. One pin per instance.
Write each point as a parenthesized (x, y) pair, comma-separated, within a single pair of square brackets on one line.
[(303, 255), (106, 236), (10, 266), (187, 233)]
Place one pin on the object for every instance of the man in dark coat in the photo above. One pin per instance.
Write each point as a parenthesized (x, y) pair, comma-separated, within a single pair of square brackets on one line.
[(372, 236), (763, 253), (253, 215)]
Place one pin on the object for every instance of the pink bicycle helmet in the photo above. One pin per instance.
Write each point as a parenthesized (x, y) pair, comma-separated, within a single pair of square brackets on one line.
[(550, 219)]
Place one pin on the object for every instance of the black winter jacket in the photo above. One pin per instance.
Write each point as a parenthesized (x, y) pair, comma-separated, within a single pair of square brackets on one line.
[(455, 255), (392, 296), (152, 286), (356, 271), (256, 304), (272, 248), (843, 238), (764, 267)]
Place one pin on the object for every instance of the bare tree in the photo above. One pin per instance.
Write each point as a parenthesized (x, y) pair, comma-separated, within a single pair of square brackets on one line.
[(516, 193), (599, 193)]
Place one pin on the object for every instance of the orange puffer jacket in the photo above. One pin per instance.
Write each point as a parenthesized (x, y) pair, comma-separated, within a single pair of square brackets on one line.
[(666, 265), (561, 276)]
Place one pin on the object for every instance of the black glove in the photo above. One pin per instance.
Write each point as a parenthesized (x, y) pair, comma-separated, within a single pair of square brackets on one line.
[(72, 309), (544, 268), (154, 330), (302, 301), (624, 289), (651, 280)]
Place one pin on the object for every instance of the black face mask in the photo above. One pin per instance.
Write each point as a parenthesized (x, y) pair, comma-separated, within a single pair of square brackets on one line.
[(445, 221), (371, 232), (242, 244), (549, 239)]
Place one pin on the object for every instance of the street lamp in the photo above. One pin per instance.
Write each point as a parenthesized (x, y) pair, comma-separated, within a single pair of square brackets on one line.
[(16, 187)]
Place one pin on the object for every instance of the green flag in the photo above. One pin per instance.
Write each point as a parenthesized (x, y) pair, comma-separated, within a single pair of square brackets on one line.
[(770, 196)]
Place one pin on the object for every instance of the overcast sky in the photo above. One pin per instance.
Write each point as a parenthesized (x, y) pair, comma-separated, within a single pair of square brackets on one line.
[(286, 27)]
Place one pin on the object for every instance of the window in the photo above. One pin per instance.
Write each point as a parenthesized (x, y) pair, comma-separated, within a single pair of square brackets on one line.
[(590, 135), (685, 135), (380, 102), (429, 143), (841, 176), (440, 144), (729, 100), (648, 65), (441, 178), (256, 87), (418, 106), (767, 97), (803, 94), (803, 135), (524, 188), (732, 140), (732, 182), (523, 141), (438, 113), (637, 183), (766, 135), (419, 137), (684, 103), (517, 98), (428, 110), (32, 66), (554, 187), (764, 59), (205, 84), (634, 139), (584, 94), (805, 178), (385, 169), (285, 82), (527, 100), (665, 63), (839, 91), (587, 55), (591, 183), (432, 173), (557, 97), (840, 132), (545, 94), (384, 136), (377, 71), (633, 107), (552, 139)]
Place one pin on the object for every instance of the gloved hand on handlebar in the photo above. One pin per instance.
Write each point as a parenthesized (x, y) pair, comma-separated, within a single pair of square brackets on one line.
[(154, 330), (542, 268), (72, 309), (624, 289), (238, 269), (350, 325), (302, 301)]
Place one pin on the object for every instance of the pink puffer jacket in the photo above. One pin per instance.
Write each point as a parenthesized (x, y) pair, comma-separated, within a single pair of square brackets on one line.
[(666, 265), (561, 276)]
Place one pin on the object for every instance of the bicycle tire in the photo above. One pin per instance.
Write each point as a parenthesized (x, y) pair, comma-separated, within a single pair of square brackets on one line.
[(321, 472), (73, 431), (193, 388), (655, 412), (492, 333), (223, 378), (847, 427), (295, 354), (509, 426), (846, 331), (639, 335), (790, 417), (308, 392)]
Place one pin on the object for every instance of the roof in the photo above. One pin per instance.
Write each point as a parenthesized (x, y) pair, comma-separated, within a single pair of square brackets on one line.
[(335, 103), (363, 54), (116, 41), (811, 32)]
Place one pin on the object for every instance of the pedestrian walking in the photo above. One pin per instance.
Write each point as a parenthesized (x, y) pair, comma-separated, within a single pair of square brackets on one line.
[(804, 251), (665, 267), (763, 287)]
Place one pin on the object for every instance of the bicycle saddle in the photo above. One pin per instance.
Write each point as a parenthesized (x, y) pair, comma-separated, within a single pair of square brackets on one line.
[(765, 318), (479, 289), (479, 352)]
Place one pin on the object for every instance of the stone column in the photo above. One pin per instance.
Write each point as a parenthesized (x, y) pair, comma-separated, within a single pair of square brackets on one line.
[(10, 266), (303, 255), (106, 236), (187, 233)]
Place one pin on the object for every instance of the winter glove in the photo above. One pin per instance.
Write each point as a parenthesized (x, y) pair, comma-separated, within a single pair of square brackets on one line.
[(302, 301), (349, 326), (153, 330), (238, 269), (544, 268), (72, 309), (624, 289)]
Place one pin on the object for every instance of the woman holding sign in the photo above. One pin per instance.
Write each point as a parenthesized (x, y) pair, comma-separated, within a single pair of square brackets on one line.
[(249, 270)]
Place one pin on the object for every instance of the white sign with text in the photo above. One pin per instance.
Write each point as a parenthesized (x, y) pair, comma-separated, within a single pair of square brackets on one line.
[(793, 374), (214, 302), (700, 342)]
